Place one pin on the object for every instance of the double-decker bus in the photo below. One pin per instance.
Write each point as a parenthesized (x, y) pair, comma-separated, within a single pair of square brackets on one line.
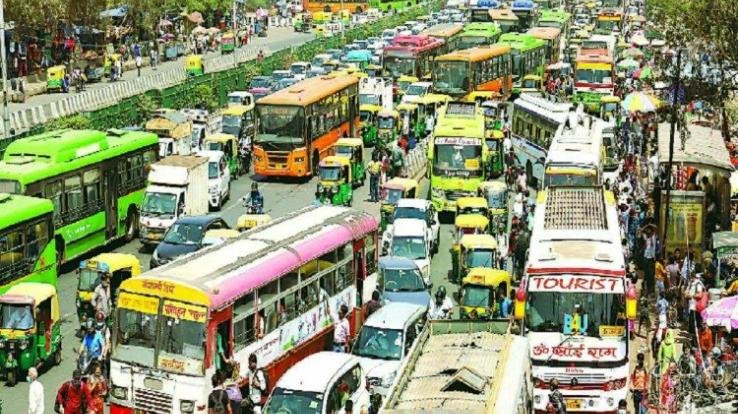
[(528, 55), (475, 74), (480, 11), (535, 121), (271, 291), (27, 248), (608, 20), (526, 10), (555, 18), (575, 157), (448, 32), (552, 37), (593, 77), (575, 301), (506, 19), (410, 55), (298, 125), (335, 6), (456, 154), (95, 180), (478, 34)]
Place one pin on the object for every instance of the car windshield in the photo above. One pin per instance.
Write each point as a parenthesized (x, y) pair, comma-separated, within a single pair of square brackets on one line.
[(136, 335), (386, 122), (403, 280), (461, 159), (408, 247), (278, 75), (480, 258), (260, 83), (409, 212), (547, 311), (14, 316), (283, 401), (280, 124), (184, 233), (232, 121), (594, 76), (378, 343), (330, 173), (159, 203), (181, 342), (88, 279), (213, 171), (476, 296), (297, 69), (397, 67)]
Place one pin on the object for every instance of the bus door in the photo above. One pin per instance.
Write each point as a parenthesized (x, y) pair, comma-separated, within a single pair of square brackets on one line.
[(353, 104), (220, 332), (111, 203), (360, 274)]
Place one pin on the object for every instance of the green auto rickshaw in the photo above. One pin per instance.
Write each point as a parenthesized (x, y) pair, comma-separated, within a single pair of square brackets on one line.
[(388, 126), (368, 116), (30, 329), (495, 192), (495, 162), (229, 145), (335, 185), (194, 65), (227, 43), (55, 78), (353, 150)]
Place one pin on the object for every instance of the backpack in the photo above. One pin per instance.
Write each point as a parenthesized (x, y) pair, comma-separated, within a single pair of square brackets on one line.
[(218, 405)]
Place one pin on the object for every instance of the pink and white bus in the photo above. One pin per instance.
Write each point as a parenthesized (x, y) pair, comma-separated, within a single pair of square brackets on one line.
[(264, 292)]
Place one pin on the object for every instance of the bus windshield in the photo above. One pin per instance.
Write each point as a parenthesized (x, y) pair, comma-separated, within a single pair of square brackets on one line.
[(594, 76), (585, 179), (378, 343), (181, 341), (289, 401), (136, 337), (397, 66), (469, 41), (409, 247), (369, 99), (480, 258), (607, 25), (547, 310), (480, 15), (452, 77), (159, 204), (232, 121), (281, 124), (457, 159), (9, 186)]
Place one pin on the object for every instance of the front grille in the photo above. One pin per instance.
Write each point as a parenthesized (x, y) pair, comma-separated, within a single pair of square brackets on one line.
[(152, 401), (581, 378), (453, 195), (277, 157)]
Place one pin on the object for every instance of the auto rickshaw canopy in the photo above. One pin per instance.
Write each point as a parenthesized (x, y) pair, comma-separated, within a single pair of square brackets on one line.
[(404, 184), (389, 114), (32, 293), (221, 138), (249, 221), (470, 203), (374, 109), (471, 221), (193, 62), (478, 241), (485, 276), (56, 72), (112, 262)]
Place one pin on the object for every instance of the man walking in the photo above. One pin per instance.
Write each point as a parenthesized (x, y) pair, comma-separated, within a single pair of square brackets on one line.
[(35, 393), (341, 331), (375, 169)]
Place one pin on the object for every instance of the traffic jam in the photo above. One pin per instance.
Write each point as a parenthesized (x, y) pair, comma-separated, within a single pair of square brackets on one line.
[(481, 210)]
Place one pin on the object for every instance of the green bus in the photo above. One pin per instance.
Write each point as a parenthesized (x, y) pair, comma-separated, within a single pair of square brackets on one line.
[(478, 34), (555, 18), (385, 5), (528, 56), (95, 180), (27, 249)]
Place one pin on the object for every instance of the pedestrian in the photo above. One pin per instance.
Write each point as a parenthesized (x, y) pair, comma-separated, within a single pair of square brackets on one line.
[(257, 384), (706, 341), (667, 351), (639, 382), (649, 255), (667, 400), (398, 160), (375, 169), (139, 63), (341, 331), (374, 304), (218, 401), (153, 55), (697, 301), (35, 393), (98, 387), (73, 396), (555, 398), (101, 296), (660, 276)]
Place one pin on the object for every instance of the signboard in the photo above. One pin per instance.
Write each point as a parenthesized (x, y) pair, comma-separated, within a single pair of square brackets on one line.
[(457, 141), (560, 347), (138, 303), (686, 220), (571, 283)]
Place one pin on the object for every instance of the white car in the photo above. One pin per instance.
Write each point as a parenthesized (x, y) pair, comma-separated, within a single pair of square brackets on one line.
[(409, 239), (315, 385), (299, 70), (386, 338), (389, 34), (416, 208), (416, 90), (219, 178)]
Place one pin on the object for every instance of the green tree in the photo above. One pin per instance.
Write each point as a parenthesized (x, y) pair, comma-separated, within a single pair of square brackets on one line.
[(30, 16)]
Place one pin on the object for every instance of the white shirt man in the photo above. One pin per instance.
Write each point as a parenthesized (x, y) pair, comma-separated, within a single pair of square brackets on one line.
[(35, 393), (507, 144), (342, 330), (695, 288), (442, 311)]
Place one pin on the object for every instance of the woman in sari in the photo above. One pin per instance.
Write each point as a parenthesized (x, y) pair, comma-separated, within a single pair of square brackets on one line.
[(668, 402), (98, 388)]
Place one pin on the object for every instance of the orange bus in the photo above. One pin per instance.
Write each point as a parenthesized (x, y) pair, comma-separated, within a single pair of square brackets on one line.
[(475, 74), (334, 6), (552, 37), (298, 125)]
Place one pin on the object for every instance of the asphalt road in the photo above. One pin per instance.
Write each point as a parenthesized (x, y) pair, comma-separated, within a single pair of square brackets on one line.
[(278, 38)]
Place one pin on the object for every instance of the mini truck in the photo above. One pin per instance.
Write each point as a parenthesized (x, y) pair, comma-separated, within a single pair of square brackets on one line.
[(178, 185)]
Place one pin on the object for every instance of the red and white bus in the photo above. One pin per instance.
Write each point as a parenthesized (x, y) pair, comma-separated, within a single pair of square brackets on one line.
[(411, 55)]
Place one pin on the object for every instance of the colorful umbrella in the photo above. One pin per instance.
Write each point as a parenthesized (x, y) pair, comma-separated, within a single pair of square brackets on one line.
[(722, 313), (640, 102), (643, 73), (195, 17)]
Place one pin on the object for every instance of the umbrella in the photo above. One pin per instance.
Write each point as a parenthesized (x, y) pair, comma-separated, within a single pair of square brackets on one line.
[(633, 52), (195, 17), (724, 312), (640, 102), (200, 30), (639, 40), (164, 23), (643, 73), (628, 63)]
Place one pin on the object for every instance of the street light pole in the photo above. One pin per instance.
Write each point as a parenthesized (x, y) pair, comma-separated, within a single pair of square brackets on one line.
[(6, 111), (672, 131)]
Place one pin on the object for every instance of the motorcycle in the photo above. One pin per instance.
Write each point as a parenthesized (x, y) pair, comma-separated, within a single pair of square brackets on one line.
[(252, 207)]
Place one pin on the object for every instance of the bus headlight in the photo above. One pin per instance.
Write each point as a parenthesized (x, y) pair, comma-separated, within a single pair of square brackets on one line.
[(610, 401), (120, 393), (299, 159), (187, 406)]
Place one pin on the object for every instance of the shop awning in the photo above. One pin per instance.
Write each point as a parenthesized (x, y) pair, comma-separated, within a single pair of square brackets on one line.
[(704, 147)]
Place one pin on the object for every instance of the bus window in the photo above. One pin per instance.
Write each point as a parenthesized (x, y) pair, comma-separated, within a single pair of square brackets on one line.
[(328, 283), (149, 157), (11, 248), (53, 192), (309, 295), (73, 193), (243, 321), (91, 179), (37, 236)]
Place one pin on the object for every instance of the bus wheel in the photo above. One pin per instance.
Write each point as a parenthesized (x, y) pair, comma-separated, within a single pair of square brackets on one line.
[(131, 225)]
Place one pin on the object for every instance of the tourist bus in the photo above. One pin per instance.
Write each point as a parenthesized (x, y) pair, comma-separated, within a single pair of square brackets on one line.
[(555, 18), (608, 20), (526, 10), (335, 6), (535, 121), (96, 181), (528, 55), (27, 248), (448, 32), (410, 55), (552, 37), (593, 78), (575, 301), (476, 74), (506, 19), (456, 154), (478, 34), (480, 11), (298, 125), (271, 292), (575, 157)]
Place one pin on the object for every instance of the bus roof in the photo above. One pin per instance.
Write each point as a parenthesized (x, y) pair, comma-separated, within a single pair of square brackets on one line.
[(502, 14), (309, 91), (577, 146), (544, 33), (34, 158), (16, 209), (521, 41), (594, 56), (489, 28), (444, 31), (413, 44), (555, 112), (554, 15), (220, 274), (475, 54)]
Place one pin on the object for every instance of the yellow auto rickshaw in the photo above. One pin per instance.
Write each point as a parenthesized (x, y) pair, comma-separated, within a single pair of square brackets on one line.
[(474, 250), (109, 62), (471, 205), (55, 78), (403, 82), (388, 126), (229, 145), (116, 266), (353, 150), (249, 221), (465, 224), (392, 191), (373, 71), (531, 84), (218, 236), (194, 65), (610, 108), (482, 292), (30, 332), (335, 186), (495, 192)]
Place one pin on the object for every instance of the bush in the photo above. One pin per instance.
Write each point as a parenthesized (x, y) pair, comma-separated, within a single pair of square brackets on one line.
[(74, 122)]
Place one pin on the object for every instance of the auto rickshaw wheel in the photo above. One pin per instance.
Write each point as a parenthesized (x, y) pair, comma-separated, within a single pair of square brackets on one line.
[(57, 356), (11, 377)]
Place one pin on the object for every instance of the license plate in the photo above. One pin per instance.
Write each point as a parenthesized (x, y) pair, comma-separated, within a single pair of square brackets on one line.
[(280, 166), (573, 404), (156, 236)]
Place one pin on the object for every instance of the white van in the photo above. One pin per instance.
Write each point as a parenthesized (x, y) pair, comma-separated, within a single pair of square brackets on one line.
[(388, 35), (319, 384), (410, 239), (299, 70), (240, 98), (385, 340), (219, 178)]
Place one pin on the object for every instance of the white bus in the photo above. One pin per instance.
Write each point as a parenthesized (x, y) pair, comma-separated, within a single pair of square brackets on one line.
[(535, 121), (575, 155), (572, 300)]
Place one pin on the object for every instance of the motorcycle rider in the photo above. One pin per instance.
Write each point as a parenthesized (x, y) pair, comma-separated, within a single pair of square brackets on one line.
[(92, 347), (441, 307), (255, 200), (245, 154)]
